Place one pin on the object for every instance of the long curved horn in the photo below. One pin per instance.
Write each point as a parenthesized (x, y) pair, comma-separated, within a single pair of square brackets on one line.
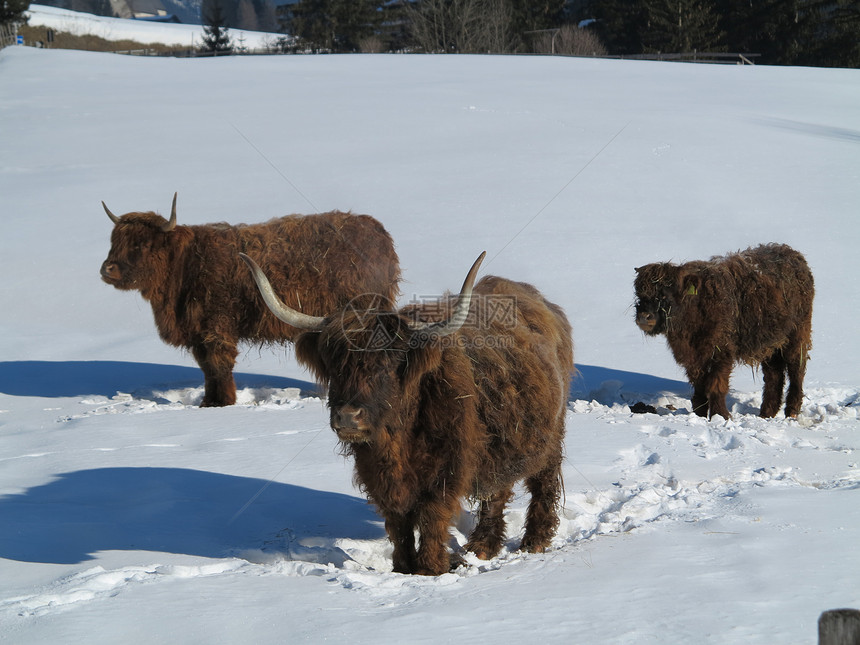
[(172, 223), (113, 218), (461, 310), (277, 307)]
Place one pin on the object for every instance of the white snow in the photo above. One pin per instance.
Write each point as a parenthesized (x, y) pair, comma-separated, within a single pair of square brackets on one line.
[(129, 514), (142, 31)]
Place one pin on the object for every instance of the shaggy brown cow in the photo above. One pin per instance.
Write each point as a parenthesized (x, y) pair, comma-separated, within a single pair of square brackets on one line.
[(437, 408), (752, 307), (203, 298)]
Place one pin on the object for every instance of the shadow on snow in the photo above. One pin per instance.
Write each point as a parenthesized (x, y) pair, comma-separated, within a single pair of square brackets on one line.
[(171, 510), (606, 385), (106, 378)]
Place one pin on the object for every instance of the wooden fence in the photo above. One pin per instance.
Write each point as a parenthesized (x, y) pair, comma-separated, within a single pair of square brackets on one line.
[(8, 35), (697, 57)]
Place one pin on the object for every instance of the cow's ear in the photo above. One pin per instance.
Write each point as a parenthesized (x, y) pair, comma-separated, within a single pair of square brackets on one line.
[(689, 283), (309, 356), (419, 361)]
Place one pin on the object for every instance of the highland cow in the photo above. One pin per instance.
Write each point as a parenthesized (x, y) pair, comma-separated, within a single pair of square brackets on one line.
[(435, 407), (204, 300), (752, 307)]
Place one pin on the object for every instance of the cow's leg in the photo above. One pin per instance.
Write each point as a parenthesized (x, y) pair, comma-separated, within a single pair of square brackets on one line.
[(716, 388), (796, 364), (773, 370), (489, 533), (700, 399), (542, 516), (434, 521), (217, 361), (401, 532)]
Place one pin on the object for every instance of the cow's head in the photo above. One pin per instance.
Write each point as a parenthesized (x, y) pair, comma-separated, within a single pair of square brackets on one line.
[(662, 288), (139, 244), (371, 360)]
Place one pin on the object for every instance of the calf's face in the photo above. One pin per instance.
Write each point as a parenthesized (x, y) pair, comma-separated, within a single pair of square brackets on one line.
[(655, 287), (661, 289)]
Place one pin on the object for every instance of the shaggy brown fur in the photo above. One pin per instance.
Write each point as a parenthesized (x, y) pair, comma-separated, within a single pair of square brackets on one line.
[(204, 300), (431, 421), (752, 307)]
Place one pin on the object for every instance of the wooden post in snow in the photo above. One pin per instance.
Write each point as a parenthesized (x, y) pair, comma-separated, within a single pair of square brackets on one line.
[(839, 627)]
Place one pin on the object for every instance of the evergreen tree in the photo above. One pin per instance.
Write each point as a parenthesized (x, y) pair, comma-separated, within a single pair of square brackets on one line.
[(832, 34), (12, 11), (782, 32), (620, 24), (681, 26), (534, 15), (216, 38), (333, 25), (531, 15), (772, 28), (843, 49)]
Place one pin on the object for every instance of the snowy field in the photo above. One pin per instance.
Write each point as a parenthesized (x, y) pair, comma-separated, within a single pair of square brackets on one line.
[(129, 514), (142, 31)]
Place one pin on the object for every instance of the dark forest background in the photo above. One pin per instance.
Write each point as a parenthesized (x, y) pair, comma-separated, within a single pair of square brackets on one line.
[(779, 32)]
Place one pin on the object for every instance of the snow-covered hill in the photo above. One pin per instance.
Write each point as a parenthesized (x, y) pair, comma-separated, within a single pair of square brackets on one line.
[(129, 513), (142, 31)]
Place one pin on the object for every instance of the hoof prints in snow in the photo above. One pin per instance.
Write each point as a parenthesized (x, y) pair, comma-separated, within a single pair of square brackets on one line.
[(178, 399), (662, 476)]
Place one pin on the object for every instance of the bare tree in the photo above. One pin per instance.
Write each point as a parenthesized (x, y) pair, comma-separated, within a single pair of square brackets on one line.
[(569, 40), (496, 33), (371, 45), (461, 26)]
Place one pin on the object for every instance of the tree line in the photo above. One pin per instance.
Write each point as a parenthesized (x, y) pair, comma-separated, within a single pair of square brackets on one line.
[(785, 32), (781, 32)]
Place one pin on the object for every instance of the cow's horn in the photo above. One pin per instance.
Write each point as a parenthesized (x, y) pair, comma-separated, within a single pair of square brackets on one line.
[(113, 218), (461, 310), (277, 307), (172, 223)]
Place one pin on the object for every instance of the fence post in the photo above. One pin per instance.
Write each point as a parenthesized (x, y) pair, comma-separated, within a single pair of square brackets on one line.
[(839, 627)]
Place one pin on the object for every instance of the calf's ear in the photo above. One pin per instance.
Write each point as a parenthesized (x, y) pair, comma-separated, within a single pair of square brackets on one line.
[(689, 283)]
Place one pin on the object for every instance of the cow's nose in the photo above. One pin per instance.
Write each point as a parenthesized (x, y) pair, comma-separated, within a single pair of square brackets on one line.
[(347, 417), (110, 270), (646, 320)]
